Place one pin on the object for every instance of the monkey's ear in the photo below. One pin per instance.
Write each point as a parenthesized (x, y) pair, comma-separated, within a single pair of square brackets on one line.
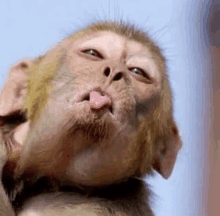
[(13, 93), (166, 153)]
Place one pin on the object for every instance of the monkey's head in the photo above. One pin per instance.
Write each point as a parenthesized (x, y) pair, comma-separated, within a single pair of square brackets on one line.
[(99, 108)]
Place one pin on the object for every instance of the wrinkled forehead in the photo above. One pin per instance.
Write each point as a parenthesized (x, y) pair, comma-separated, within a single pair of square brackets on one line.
[(110, 41)]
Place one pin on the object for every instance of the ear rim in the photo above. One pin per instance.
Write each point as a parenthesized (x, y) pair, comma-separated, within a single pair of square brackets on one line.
[(13, 92), (166, 155)]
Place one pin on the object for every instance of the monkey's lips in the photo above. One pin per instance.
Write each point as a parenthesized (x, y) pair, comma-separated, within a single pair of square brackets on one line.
[(101, 106), (97, 100)]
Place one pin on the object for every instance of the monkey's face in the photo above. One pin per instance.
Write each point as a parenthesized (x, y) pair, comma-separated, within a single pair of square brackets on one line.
[(100, 95), (105, 81)]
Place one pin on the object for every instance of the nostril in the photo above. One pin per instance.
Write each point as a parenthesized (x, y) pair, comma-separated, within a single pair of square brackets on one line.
[(118, 76), (86, 97), (107, 71)]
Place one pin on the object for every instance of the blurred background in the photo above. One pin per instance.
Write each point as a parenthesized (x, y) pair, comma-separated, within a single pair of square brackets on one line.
[(185, 31)]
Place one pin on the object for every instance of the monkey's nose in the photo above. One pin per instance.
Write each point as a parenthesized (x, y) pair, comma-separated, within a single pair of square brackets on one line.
[(97, 100)]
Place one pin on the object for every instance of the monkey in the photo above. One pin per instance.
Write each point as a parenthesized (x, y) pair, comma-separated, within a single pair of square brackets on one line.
[(83, 124)]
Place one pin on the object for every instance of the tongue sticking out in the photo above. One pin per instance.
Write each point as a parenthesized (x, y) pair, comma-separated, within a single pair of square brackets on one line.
[(98, 101)]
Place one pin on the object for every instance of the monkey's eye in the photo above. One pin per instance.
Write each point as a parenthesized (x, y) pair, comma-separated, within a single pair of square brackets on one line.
[(140, 72), (93, 52)]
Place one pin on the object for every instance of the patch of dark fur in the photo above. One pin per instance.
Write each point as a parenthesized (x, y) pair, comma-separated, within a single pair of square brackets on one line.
[(129, 196)]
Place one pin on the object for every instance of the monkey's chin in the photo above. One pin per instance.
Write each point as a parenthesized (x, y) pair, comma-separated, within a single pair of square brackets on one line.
[(95, 129), (95, 125), (102, 164)]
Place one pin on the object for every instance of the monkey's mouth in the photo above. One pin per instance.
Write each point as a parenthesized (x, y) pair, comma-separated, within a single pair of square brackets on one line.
[(98, 101)]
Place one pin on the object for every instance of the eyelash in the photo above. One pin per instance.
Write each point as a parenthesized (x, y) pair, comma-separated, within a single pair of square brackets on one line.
[(98, 55)]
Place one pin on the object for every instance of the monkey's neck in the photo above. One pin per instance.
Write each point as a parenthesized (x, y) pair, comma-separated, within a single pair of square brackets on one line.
[(124, 193)]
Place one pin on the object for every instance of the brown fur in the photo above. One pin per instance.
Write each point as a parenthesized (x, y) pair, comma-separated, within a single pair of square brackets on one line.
[(77, 157)]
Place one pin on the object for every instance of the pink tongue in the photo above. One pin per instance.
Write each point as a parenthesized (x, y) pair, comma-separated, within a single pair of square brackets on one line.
[(97, 101)]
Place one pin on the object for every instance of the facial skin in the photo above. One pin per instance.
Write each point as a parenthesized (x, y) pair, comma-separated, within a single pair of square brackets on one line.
[(94, 112), (97, 101)]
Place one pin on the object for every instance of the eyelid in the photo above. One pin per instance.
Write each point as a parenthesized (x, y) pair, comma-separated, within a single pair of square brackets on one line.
[(99, 55), (142, 70), (145, 63), (145, 75)]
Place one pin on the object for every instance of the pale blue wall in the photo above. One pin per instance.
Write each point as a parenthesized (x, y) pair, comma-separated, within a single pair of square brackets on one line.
[(29, 28)]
